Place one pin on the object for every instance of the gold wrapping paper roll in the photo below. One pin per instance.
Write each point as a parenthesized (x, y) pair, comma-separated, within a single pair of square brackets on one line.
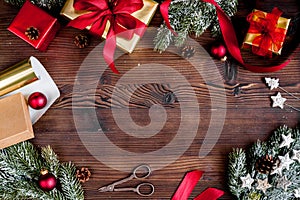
[(16, 77), (144, 15)]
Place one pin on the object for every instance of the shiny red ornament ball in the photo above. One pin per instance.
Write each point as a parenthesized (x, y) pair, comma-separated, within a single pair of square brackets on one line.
[(218, 51), (37, 100), (47, 182)]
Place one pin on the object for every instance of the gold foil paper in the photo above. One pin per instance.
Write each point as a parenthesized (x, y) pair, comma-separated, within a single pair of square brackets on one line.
[(281, 23), (144, 15), (16, 77)]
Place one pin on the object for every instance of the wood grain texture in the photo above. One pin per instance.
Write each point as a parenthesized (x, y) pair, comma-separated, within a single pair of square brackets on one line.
[(249, 115)]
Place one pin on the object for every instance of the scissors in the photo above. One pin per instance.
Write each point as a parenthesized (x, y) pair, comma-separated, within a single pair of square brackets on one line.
[(135, 175)]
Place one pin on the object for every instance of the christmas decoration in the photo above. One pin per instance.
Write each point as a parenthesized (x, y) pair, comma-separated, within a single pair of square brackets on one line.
[(127, 22), (273, 83), (32, 33), (33, 16), (266, 33), (279, 101), (263, 185), (83, 174), (286, 141), (281, 183), (81, 41), (21, 165), (51, 5), (15, 124), (189, 16), (265, 164), (297, 193), (47, 181), (189, 182), (187, 51), (247, 181), (218, 51), (296, 155), (37, 100)]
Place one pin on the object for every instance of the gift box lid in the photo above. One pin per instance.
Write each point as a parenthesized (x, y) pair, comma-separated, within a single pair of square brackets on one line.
[(33, 16), (15, 123)]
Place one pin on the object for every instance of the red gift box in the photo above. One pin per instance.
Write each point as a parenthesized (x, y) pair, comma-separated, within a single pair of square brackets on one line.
[(33, 16)]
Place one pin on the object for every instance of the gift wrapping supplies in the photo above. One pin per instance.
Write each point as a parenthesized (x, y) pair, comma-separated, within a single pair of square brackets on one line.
[(17, 83)]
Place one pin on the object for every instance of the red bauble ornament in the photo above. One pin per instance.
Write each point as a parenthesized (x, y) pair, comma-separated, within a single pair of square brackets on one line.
[(47, 181), (37, 100), (218, 50)]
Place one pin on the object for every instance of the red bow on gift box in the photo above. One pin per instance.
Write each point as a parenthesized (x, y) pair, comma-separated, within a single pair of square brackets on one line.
[(117, 13), (270, 36)]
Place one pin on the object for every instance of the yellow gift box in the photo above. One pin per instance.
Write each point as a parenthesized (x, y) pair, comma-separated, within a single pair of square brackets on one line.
[(282, 23), (144, 15)]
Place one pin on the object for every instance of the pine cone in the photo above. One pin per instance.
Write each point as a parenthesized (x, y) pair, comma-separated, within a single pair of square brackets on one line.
[(81, 41), (32, 33), (265, 164), (83, 174), (187, 51)]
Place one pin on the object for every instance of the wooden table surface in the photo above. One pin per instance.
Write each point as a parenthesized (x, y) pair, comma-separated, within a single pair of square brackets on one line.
[(84, 114)]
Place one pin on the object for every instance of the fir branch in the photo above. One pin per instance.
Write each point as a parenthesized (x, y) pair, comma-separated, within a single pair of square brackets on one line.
[(51, 160), (236, 169), (163, 39), (257, 151), (69, 183), (191, 17), (46, 4), (21, 160)]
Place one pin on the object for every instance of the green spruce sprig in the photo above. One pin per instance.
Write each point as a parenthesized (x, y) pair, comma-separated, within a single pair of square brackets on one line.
[(20, 167), (191, 17)]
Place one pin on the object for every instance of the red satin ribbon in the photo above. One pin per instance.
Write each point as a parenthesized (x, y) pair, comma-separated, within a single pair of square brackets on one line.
[(230, 40), (118, 13), (188, 184), (270, 36)]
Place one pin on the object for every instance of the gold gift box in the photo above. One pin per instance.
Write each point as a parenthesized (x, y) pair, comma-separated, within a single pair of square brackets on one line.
[(144, 15), (281, 23), (15, 123)]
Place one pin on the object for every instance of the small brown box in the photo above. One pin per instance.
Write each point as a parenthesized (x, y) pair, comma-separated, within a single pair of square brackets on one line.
[(15, 123)]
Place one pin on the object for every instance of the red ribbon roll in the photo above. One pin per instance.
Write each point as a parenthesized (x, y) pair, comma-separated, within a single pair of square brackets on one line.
[(229, 37), (188, 184), (118, 13)]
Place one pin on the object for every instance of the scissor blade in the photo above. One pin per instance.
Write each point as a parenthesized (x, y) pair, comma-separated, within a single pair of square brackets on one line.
[(108, 188)]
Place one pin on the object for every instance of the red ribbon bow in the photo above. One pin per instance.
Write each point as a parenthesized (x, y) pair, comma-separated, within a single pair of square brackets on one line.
[(118, 13), (270, 36), (187, 185), (229, 37)]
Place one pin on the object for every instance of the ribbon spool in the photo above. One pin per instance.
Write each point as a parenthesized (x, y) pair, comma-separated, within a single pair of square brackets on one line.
[(16, 76)]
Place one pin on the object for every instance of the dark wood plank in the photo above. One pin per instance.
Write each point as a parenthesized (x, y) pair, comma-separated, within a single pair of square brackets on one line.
[(249, 115)]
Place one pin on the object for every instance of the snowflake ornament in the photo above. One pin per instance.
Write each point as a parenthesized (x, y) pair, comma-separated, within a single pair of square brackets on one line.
[(263, 185), (283, 183), (287, 140), (296, 155), (277, 169), (278, 100), (273, 83), (247, 181), (285, 161), (297, 193)]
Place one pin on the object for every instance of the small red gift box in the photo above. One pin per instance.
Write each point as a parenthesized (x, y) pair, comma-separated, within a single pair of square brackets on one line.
[(34, 26)]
